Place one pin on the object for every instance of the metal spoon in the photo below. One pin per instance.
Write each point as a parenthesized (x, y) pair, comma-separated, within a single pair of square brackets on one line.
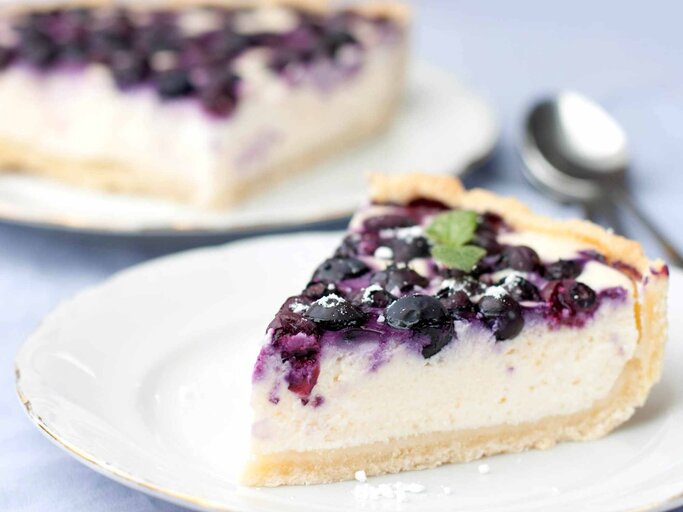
[(574, 151)]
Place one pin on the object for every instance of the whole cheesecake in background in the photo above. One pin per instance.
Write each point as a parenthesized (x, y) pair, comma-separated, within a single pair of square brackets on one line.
[(451, 325), (199, 102)]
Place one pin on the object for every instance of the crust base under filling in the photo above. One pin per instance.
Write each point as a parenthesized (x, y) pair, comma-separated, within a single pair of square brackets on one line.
[(433, 449)]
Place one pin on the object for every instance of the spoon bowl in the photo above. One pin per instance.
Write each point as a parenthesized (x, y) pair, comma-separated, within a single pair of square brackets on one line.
[(574, 151)]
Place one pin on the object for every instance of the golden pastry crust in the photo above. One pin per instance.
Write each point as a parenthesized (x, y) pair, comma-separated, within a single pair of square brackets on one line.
[(433, 449)]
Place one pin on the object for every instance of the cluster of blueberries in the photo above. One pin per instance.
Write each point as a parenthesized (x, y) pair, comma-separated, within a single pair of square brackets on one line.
[(347, 297), (199, 65)]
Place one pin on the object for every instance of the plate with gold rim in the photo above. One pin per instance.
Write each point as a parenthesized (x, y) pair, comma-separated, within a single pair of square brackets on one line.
[(145, 379)]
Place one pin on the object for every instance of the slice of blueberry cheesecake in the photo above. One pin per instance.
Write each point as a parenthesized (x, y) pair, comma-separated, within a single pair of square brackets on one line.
[(450, 325), (200, 101)]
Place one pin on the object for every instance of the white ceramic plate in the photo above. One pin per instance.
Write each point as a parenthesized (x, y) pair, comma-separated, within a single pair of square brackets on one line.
[(145, 379), (442, 127)]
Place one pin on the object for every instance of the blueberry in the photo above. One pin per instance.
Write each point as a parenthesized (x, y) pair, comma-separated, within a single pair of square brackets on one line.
[(173, 83), (110, 35), (286, 322), (349, 246), (314, 291), (487, 240), (128, 69), (503, 315), (37, 48), (265, 39), (332, 42), (219, 96), (520, 289), (333, 270), (402, 278), (406, 250), (226, 45), (7, 55), (427, 205), (389, 221), (490, 221), (459, 305), (157, 37), (416, 312), (569, 295), (562, 269), (520, 257), (579, 296), (462, 282), (377, 297), (335, 313)]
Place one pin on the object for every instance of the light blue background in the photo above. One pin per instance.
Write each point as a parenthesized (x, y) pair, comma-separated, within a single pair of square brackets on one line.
[(627, 55)]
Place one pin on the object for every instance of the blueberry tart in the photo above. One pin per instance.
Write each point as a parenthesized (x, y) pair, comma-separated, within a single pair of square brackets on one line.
[(451, 325), (196, 101)]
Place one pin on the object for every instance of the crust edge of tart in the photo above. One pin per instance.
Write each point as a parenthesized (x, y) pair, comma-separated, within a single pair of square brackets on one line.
[(630, 391)]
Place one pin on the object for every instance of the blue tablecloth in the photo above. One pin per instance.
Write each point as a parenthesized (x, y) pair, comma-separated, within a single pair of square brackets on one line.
[(628, 56)]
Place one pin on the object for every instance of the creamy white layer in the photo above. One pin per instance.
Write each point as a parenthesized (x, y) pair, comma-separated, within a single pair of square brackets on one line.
[(472, 383), (82, 115)]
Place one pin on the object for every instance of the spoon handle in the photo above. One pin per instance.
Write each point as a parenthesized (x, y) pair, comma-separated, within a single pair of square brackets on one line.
[(672, 254)]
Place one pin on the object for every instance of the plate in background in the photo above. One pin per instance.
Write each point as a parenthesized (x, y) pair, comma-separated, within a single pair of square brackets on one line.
[(146, 380), (441, 127)]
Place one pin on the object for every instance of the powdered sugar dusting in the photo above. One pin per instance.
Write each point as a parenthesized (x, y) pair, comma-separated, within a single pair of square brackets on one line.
[(496, 291), (298, 308), (399, 492), (367, 294), (329, 301)]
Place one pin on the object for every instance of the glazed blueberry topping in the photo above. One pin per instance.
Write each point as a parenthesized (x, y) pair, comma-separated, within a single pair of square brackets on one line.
[(288, 322), (416, 312), (562, 269), (334, 313), (405, 250), (333, 270), (462, 282), (383, 287), (37, 48), (402, 278), (460, 306), (128, 69), (7, 55), (377, 297), (503, 315), (520, 289), (315, 291), (388, 221), (173, 83), (570, 302), (358, 244), (579, 296), (130, 42), (519, 257)]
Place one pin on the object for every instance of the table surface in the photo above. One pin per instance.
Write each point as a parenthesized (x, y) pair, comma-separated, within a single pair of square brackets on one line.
[(624, 55)]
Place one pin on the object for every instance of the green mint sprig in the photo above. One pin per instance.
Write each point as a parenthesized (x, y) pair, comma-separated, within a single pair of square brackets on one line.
[(450, 233)]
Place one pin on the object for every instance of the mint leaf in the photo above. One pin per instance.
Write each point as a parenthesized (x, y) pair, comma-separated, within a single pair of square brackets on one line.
[(463, 258), (453, 228)]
